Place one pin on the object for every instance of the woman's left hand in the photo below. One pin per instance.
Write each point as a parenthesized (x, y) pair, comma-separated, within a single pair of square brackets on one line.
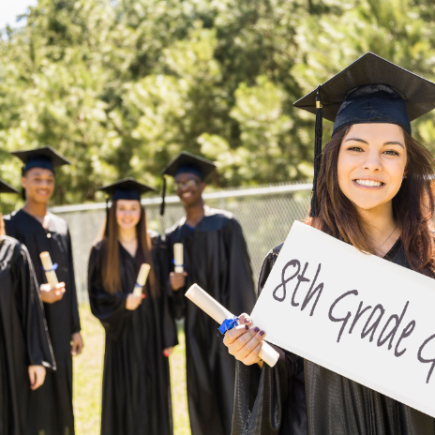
[(36, 376), (167, 351)]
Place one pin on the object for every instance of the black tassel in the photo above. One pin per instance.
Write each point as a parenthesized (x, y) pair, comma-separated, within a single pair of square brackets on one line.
[(162, 206), (317, 153), (106, 229)]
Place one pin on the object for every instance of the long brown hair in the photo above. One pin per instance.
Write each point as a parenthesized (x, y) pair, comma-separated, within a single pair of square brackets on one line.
[(413, 206), (110, 273)]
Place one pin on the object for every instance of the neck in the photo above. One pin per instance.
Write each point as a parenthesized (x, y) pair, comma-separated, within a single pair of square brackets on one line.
[(36, 209), (195, 213), (127, 235), (380, 226)]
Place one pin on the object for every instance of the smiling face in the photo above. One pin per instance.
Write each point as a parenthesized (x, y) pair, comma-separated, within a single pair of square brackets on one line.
[(371, 164), (38, 184), (189, 188), (128, 213)]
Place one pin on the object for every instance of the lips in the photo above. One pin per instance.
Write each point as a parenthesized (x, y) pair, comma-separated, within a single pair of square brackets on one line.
[(369, 183)]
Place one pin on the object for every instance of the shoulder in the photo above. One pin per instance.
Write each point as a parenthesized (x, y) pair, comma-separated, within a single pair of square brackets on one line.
[(12, 218), (58, 221), (154, 235), (175, 227), (218, 219), (13, 245)]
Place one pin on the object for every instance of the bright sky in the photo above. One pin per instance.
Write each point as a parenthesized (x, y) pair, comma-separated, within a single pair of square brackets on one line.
[(9, 9)]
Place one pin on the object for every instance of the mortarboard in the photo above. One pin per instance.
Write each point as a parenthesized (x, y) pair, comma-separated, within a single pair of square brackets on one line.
[(370, 90), (6, 188), (186, 162), (128, 188), (45, 157)]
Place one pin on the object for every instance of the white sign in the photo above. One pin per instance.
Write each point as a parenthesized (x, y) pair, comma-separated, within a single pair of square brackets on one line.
[(363, 317)]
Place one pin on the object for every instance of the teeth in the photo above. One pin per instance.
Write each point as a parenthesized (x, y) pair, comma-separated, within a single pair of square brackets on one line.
[(369, 183)]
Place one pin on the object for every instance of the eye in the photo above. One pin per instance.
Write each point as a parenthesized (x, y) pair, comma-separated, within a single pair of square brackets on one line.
[(356, 149), (391, 153)]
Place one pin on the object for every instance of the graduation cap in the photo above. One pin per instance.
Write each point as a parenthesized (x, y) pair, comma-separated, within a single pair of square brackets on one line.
[(45, 157), (6, 188), (370, 90), (127, 188), (186, 162)]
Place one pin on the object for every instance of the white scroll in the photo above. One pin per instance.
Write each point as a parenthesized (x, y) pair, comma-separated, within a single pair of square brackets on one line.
[(219, 313), (48, 269), (141, 279), (178, 258)]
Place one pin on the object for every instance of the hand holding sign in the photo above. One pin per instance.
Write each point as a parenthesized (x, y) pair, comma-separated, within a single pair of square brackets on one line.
[(358, 315)]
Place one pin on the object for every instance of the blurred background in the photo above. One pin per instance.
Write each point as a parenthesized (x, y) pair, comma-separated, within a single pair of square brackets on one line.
[(121, 86)]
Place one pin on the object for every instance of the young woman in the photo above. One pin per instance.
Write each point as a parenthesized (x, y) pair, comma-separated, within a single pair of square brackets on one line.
[(374, 191), (25, 349), (140, 332)]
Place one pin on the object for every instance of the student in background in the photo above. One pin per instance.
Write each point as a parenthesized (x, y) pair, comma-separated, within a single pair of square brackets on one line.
[(25, 349), (140, 331), (216, 258), (40, 230)]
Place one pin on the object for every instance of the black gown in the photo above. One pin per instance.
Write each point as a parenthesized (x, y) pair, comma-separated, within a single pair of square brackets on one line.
[(298, 397), (136, 381), (216, 258), (52, 403), (23, 337)]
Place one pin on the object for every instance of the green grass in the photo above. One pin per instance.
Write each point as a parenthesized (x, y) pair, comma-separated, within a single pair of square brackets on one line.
[(88, 372)]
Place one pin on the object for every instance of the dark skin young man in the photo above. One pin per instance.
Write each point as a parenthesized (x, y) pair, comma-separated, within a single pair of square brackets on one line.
[(189, 188), (39, 184)]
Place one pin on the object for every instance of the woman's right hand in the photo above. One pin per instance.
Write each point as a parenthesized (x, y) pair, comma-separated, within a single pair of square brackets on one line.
[(133, 301), (245, 343)]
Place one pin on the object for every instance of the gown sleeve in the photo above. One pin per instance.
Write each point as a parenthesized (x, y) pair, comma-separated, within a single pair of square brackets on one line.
[(261, 394), (74, 304), (110, 309), (28, 301), (161, 262), (240, 291)]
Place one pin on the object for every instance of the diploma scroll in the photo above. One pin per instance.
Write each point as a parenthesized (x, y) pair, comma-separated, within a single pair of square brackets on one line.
[(141, 279), (178, 258), (216, 311), (49, 269)]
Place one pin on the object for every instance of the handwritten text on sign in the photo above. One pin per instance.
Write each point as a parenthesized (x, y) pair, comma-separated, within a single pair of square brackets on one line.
[(356, 314)]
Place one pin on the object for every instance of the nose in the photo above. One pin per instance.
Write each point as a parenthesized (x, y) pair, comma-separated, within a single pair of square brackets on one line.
[(372, 161)]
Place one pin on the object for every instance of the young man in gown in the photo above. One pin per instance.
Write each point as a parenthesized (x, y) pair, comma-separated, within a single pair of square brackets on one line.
[(216, 258), (40, 230), (25, 348)]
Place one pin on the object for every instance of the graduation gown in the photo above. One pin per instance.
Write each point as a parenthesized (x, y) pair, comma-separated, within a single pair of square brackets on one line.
[(23, 337), (52, 405), (298, 397), (136, 382), (216, 258)]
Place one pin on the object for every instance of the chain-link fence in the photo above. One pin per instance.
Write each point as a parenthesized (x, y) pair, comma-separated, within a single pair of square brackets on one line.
[(265, 213)]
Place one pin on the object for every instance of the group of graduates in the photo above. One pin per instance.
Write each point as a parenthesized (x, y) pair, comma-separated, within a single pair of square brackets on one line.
[(373, 188), (41, 322)]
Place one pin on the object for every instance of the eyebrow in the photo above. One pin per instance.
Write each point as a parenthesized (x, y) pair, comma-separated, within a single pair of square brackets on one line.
[(391, 142)]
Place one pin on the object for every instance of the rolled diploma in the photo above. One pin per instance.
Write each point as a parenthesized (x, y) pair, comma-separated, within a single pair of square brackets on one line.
[(178, 258), (48, 265), (141, 278), (216, 311)]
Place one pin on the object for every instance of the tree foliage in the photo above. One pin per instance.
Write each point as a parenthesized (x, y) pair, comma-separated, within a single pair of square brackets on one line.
[(120, 87)]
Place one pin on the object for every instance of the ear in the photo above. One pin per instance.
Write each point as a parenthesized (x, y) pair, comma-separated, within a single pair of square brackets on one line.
[(202, 187), (23, 181)]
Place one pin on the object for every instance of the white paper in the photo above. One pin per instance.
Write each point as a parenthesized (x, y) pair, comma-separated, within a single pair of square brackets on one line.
[(306, 328)]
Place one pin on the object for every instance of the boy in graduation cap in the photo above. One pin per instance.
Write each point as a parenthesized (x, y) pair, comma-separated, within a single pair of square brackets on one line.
[(42, 231), (216, 258), (25, 348), (373, 189)]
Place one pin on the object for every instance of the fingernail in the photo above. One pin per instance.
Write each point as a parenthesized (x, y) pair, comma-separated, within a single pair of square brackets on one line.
[(262, 333), (166, 354), (143, 296), (247, 320), (256, 329), (247, 327)]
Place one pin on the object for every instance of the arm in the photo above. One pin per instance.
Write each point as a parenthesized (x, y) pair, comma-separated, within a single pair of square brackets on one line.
[(110, 309)]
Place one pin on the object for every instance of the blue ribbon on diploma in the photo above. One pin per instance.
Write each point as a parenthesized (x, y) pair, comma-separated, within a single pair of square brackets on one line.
[(228, 324), (138, 285), (50, 270)]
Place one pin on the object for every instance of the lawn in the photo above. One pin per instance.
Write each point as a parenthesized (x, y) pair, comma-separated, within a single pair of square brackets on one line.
[(88, 372)]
